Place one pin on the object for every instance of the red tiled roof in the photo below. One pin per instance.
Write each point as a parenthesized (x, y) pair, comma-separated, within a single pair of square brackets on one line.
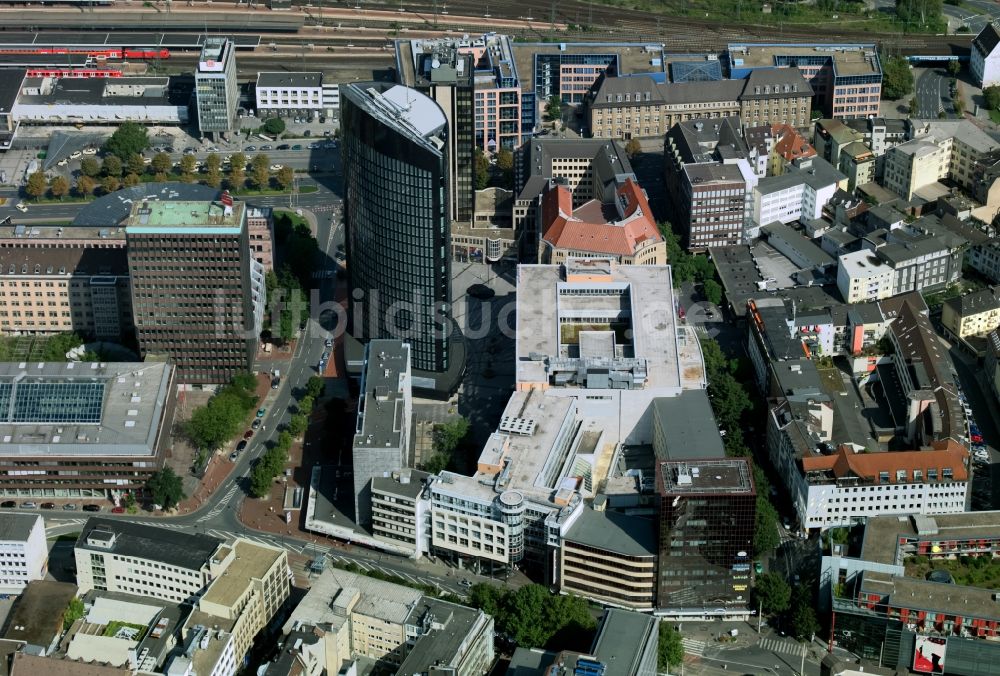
[(579, 231), (846, 463), (791, 144)]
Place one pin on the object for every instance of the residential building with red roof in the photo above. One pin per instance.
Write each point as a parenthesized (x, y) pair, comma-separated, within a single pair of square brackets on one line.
[(789, 145), (623, 229)]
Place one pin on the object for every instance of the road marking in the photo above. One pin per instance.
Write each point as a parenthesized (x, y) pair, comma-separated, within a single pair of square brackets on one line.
[(693, 646), (222, 505), (775, 645)]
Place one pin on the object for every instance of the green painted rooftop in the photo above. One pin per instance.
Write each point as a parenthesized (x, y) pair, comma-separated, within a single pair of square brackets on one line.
[(184, 215)]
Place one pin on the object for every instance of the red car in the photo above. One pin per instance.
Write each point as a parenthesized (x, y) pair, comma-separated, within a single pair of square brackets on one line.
[(117, 510), (248, 434)]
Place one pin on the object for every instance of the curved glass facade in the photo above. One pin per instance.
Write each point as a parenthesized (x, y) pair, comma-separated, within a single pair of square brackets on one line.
[(397, 220)]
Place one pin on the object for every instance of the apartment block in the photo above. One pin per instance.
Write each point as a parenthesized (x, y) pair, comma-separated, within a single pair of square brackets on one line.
[(623, 229), (880, 606), (247, 592), (973, 315), (362, 620), (638, 106), (198, 293), (925, 254), (260, 226), (107, 424), (382, 435), (937, 149), (878, 135), (119, 556), (25, 551), (610, 558), (984, 58), (846, 79)]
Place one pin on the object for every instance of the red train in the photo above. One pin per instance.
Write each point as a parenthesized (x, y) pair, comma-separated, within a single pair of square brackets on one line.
[(73, 72), (111, 53)]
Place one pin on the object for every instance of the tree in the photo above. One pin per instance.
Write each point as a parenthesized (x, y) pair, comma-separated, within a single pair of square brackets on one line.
[(914, 105), (897, 78), (260, 171), (213, 169), (553, 109), (480, 169), (285, 177), (505, 160), (804, 622), (131, 180), (297, 424), (765, 537), (315, 386), (954, 68), (920, 12), (166, 488), (74, 611), (110, 184), (305, 405), (237, 171), (85, 185), (37, 185), (991, 95), (771, 593), (713, 291), (112, 166), (188, 163), (487, 598), (633, 147), (161, 163), (89, 166), (130, 138), (136, 164), (213, 161), (260, 480), (58, 345), (669, 650), (274, 126), (129, 500), (59, 186)]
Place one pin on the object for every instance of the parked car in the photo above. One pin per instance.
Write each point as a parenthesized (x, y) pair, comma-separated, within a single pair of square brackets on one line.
[(91, 508), (276, 383), (296, 147), (233, 456), (117, 510), (267, 147), (261, 411), (255, 424), (277, 167), (69, 507), (241, 446), (328, 342), (90, 151), (29, 505), (8, 504), (251, 149), (248, 434), (48, 505), (284, 146)]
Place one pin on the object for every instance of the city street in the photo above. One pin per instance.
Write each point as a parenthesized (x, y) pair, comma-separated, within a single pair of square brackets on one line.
[(932, 94)]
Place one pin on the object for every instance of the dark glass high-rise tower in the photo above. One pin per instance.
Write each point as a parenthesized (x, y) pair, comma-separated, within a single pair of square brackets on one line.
[(396, 211)]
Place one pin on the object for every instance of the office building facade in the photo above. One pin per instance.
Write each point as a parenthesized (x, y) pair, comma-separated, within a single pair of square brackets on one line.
[(119, 556), (197, 291), (83, 429), (216, 89), (707, 513), (396, 210), (51, 284)]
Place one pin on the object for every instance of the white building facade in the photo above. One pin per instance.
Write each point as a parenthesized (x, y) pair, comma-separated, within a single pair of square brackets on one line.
[(24, 554), (984, 58)]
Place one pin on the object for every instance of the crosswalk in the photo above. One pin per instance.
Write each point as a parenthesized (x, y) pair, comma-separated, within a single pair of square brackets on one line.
[(693, 646), (222, 505), (776, 645)]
